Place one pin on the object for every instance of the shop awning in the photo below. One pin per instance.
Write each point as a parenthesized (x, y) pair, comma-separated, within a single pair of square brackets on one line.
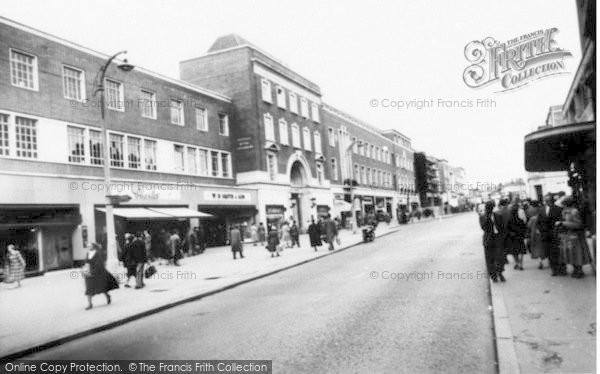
[(136, 213), (342, 205), (181, 212)]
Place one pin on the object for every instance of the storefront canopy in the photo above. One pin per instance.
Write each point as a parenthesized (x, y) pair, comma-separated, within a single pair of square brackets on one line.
[(134, 213), (342, 205)]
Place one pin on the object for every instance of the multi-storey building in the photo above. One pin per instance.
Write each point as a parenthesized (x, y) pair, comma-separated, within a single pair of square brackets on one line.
[(277, 128), (169, 149), (403, 157), (428, 181)]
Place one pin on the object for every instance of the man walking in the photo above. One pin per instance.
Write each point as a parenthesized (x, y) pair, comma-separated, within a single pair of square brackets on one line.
[(138, 256), (295, 233), (236, 242), (547, 218), (493, 241), (331, 231), (175, 247)]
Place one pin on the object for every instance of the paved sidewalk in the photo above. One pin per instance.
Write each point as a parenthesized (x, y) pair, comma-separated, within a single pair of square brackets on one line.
[(545, 324), (50, 308)]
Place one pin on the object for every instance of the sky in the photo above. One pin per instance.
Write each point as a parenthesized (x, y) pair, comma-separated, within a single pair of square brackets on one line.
[(363, 55)]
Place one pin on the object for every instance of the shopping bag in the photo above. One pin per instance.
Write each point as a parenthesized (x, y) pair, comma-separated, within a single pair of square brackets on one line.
[(150, 271)]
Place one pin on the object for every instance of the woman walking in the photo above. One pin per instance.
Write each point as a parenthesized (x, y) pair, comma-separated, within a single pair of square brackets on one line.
[(254, 234), (314, 233), (273, 241), (516, 229), (15, 266), (97, 278), (535, 243), (286, 236), (573, 246)]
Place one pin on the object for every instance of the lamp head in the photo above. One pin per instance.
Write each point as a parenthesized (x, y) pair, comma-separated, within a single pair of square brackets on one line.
[(125, 66)]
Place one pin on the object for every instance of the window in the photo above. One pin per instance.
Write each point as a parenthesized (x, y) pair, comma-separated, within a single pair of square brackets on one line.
[(377, 155), (331, 137), (283, 132), (315, 112), (363, 175), (177, 112), (215, 163), (361, 147), (23, 70), (192, 166), (317, 139), (304, 107), (4, 134), (203, 162), (306, 133), (148, 104), (269, 128), (296, 136), (178, 157), (73, 83), (225, 165), (355, 175), (201, 119), (115, 143), (354, 145), (293, 103), (368, 179), (280, 97), (272, 165), (379, 180), (320, 172), (76, 141), (372, 151), (114, 95), (223, 124), (96, 148), (26, 134), (150, 154), (266, 90), (373, 177), (334, 169), (134, 152)]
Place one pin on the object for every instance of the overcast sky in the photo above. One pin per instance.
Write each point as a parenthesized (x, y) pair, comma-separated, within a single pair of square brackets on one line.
[(356, 52)]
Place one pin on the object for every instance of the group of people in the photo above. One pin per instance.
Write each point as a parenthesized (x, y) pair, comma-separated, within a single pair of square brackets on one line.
[(547, 231)]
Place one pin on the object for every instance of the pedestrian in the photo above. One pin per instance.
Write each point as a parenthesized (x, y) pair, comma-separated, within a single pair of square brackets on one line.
[(236, 241), (314, 233), (573, 245), (15, 266), (295, 234), (262, 235), (127, 259), (139, 258), (194, 241), (148, 244), (97, 278), (201, 238), (286, 237), (504, 213), (174, 247), (546, 222), (493, 241), (254, 234), (331, 231), (516, 229), (535, 244), (273, 241)]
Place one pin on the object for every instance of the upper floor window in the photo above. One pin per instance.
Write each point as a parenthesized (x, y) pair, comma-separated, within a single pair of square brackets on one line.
[(26, 137), (354, 145), (4, 145), (280, 97), (266, 90), (150, 154), (225, 165), (269, 127), (148, 104), (203, 166), (201, 119), (295, 135), (320, 175), (73, 83), (96, 148), (356, 175), (317, 139), (214, 163), (372, 151), (23, 70), (331, 137), (115, 143), (361, 147), (304, 107), (272, 165), (377, 154), (334, 169), (306, 132), (76, 144), (315, 112), (283, 132), (178, 157), (134, 152), (192, 161), (114, 95), (363, 175), (293, 103), (177, 112), (223, 124)]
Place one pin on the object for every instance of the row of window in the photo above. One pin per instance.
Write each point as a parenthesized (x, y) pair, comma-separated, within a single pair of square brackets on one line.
[(284, 138), (372, 177), (24, 74), (289, 100)]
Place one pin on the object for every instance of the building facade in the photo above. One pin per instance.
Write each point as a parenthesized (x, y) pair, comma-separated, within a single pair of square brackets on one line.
[(427, 177)]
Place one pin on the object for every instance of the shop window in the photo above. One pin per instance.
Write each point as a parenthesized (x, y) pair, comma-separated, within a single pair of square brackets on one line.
[(116, 150), (76, 142)]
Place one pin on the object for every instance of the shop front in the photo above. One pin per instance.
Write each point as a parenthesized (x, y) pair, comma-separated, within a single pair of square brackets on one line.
[(42, 233)]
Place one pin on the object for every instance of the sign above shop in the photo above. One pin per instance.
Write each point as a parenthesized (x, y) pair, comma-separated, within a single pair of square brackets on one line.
[(226, 196)]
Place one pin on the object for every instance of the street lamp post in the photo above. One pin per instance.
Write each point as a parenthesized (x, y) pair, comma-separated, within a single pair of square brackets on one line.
[(348, 155), (112, 260)]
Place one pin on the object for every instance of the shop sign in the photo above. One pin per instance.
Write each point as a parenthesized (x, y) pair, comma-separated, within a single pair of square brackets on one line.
[(338, 196), (322, 209), (244, 143), (275, 209), (226, 196), (367, 200)]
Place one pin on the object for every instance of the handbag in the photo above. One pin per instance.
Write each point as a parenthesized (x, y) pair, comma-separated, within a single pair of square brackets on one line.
[(86, 271), (150, 271)]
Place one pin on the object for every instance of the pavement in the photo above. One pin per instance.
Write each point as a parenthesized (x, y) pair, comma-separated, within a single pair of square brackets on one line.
[(545, 324), (49, 309), (414, 301)]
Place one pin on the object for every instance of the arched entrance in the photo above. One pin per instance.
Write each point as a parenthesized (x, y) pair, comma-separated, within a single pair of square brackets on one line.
[(298, 180), (298, 175)]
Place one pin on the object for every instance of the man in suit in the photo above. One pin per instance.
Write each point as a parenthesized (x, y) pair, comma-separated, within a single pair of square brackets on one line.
[(548, 216), (504, 213), (138, 256), (331, 231), (493, 241)]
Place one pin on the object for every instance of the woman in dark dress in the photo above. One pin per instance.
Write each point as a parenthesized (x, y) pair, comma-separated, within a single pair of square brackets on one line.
[(273, 241), (516, 229), (314, 233), (97, 278)]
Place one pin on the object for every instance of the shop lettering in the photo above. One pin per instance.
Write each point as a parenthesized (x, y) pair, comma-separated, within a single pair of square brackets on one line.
[(212, 195)]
